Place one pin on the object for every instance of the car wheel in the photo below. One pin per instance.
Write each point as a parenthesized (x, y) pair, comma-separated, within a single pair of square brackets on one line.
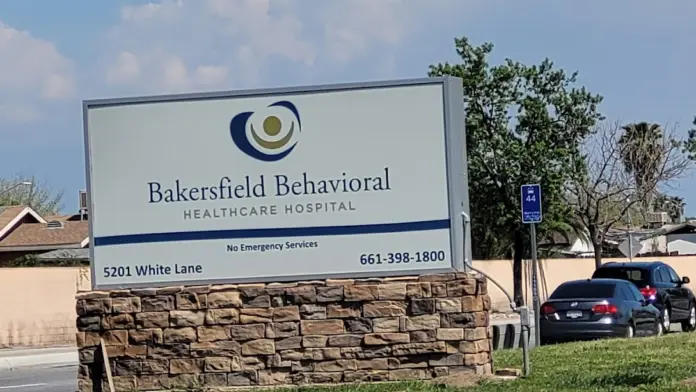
[(659, 329), (666, 319), (630, 331), (689, 324)]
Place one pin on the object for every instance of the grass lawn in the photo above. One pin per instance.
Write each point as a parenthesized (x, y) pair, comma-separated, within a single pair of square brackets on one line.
[(645, 364)]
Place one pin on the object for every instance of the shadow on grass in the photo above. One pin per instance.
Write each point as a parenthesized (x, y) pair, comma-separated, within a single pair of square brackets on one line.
[(626, 378)]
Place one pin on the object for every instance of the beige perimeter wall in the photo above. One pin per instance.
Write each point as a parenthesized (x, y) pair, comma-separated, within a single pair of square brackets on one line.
[(557, 271), (38, 304)]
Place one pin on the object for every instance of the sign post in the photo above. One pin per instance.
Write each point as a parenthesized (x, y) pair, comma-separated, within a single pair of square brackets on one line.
[(630, 247), (532, 215)]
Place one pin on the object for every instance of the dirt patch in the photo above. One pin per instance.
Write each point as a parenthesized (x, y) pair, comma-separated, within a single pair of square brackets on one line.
[(689, 382), (466, 380), (459, 380), (507, 372)]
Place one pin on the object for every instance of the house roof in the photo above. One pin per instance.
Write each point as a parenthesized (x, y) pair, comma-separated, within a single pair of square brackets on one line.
[(8, 213), (678, 228), (11, 216), (674, 228), (59, 218), (63, 218), (37, 236)]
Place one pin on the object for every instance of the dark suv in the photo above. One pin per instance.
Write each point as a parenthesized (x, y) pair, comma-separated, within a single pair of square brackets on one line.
[(661, 286)]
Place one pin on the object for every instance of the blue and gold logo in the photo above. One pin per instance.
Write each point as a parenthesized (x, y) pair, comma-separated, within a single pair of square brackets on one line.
[(278, 138)]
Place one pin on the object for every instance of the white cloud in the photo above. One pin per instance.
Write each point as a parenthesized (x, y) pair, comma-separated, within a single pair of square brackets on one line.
[(164, 71), (175, 74), (183, 45), (252, 21), (57, 86), (148, 12), (209, 75), (125, 69), (31, 70), (351, 28)]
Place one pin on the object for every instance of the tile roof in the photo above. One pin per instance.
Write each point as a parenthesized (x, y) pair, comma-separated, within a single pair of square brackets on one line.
[(8, 213), (62, 218), (59, 218), (38, 234)]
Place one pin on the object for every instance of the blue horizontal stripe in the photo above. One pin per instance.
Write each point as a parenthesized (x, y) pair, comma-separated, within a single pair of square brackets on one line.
[(272, 233)]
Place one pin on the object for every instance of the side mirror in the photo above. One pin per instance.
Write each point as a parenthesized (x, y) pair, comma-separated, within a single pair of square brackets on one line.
[(685, 280)]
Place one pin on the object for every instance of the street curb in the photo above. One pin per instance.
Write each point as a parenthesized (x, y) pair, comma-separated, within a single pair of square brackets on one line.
[(12, 362), (508, 335)]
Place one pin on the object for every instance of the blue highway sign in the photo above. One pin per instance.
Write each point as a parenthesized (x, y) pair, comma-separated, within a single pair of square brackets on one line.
[(531, 203)]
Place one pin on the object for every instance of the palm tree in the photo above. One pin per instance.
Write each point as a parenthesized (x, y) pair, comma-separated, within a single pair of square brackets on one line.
[(660, 202), (673, 205), (642, 153), (675, 208)]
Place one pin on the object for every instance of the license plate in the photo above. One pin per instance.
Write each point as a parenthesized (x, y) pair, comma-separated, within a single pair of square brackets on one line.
[(574, 314)]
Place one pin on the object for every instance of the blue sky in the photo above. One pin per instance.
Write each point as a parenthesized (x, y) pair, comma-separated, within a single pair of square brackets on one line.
[(639, 54)]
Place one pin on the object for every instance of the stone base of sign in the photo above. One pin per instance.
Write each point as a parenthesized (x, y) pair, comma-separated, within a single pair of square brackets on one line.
[(317, 332)]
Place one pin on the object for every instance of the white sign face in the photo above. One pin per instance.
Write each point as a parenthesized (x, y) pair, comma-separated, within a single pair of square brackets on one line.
[(275, 186)]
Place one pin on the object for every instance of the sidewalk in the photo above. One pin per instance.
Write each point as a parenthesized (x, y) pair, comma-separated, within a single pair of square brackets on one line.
[(11, 359), (506, 318)]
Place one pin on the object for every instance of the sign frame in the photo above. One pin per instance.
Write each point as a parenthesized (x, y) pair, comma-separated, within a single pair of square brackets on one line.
[(633, 245), (530, 216), (455, 165)]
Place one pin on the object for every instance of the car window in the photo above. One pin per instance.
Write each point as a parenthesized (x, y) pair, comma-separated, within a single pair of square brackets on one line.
[(638, 276), (657, 275), (625, 293), (637, 296), (661, 275), (584, 290), (673, 274)]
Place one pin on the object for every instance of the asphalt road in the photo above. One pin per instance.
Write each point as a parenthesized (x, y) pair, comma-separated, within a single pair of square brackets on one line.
[(39, 379)]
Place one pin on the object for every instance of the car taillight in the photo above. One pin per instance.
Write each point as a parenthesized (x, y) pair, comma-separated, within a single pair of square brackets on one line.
[(605, 309), (648, 292), (547, 309)]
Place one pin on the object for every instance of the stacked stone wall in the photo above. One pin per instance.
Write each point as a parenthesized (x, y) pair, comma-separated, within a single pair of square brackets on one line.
[(329, 331)]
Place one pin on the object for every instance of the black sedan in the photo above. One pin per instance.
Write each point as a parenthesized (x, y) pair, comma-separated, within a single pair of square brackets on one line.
[(661, 286), (597, 308)]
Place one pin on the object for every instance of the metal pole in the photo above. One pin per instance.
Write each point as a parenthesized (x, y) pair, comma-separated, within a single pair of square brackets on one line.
[(535, 286), (630, 239), (523, 311), (524, 332)]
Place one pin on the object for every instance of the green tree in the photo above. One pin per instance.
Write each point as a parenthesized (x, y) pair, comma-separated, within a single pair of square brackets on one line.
[(643, 154), (39, 195), (524, 124)]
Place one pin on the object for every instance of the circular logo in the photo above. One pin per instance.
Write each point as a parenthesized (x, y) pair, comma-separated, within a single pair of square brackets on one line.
[(270, 137)]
